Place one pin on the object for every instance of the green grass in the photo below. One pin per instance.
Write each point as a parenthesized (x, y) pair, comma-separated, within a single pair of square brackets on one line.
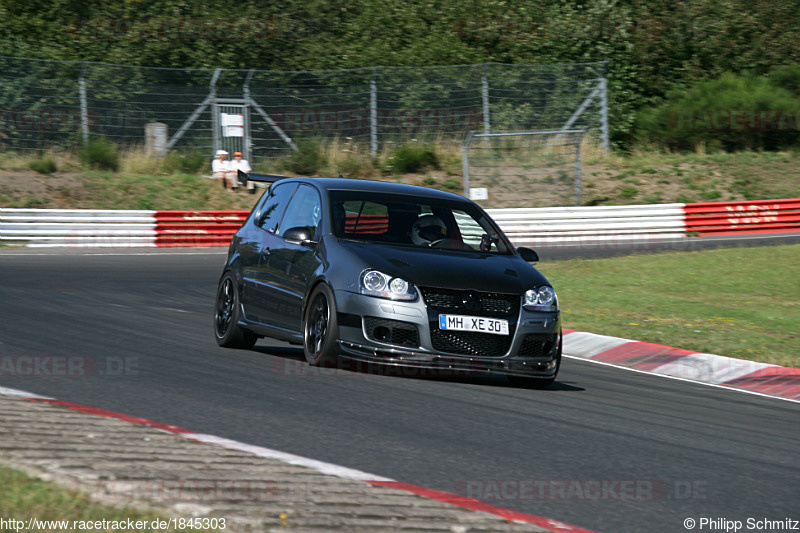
[(738, 302), (718, 176), (176, 182), (108, 190), (23, 497)]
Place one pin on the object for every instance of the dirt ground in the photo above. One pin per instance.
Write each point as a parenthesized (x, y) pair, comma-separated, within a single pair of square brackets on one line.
[(26, 188)]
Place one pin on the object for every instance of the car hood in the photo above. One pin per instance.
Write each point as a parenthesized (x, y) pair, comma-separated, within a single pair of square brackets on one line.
[(444, 268)]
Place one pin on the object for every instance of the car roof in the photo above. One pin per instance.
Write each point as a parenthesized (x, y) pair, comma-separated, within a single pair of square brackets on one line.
[(350, 184)]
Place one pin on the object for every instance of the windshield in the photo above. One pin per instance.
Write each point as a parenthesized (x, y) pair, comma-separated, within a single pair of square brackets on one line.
[(411, 221)]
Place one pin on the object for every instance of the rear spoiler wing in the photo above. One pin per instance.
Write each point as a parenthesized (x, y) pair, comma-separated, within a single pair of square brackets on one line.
[(258, 178)]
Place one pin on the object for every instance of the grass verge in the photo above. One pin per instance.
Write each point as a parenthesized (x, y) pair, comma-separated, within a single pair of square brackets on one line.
[(738, 302), (176, 182), (23, 497)]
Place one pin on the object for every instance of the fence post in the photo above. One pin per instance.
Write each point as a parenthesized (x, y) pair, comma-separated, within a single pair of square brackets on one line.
[(604, 107), (212, 94), (578, 184), (485, 96), (248, 142), (84, 105), (373, 114), (465, 161)]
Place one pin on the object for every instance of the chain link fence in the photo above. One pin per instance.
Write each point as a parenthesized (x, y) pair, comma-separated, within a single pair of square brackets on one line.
[(57, 104), (544, 167)]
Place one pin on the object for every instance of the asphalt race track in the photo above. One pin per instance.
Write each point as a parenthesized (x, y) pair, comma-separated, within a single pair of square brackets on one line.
[(606, 449)]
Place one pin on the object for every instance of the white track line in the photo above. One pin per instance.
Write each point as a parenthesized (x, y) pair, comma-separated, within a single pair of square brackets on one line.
[(726, 387)]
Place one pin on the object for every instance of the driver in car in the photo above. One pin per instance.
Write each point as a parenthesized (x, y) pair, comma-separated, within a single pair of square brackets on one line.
[(427, 230)]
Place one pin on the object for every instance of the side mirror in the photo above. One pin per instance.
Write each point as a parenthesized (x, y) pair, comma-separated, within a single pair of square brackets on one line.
[(300, 234), (528, 255)]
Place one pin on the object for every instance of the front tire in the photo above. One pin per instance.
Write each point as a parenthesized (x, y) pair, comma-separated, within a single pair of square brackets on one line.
[(320, 328), (227, 331)]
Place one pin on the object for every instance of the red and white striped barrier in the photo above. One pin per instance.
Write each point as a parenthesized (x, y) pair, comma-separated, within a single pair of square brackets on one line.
[(197, 228), (550, 226), (77, 227), (731, 218), (555, 226)]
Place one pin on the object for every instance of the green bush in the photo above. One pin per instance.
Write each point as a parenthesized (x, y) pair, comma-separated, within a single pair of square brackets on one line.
[(354, 166), (413, 158), (43, 165), (190, 163), (100, 153), (308, 160), (451, 183), (732, 112), (787, 78)]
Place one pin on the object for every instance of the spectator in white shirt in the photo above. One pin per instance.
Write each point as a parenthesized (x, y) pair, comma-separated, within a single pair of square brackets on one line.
[(241, 164), (221, 168)]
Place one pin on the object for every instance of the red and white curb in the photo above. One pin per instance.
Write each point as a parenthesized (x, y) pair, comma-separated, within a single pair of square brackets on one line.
[(751, 376), (320, 466)]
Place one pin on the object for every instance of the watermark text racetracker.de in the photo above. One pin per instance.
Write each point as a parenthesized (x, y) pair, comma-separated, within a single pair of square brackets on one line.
[(67, 366), (593, 490), (729, 525), (734, 120)]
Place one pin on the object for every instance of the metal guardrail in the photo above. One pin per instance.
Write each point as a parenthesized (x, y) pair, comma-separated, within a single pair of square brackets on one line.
[(730, 218), (77, 227), (556, 225), (525, 227), (197, 228)]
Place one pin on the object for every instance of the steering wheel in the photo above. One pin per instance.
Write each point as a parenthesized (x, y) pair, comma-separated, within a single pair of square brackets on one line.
[(437, 241)]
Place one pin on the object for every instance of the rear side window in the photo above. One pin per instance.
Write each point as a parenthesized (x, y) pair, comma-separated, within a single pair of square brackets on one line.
[(304, 211), (272, 209)]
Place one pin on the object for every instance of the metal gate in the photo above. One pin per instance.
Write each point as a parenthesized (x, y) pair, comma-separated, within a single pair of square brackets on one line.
[(232, 126)]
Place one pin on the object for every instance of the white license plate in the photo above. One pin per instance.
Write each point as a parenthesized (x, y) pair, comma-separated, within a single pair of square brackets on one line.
[(473, 323)]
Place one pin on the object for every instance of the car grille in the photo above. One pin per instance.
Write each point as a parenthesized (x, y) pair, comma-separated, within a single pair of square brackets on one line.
[(391, 331), (488, 304), (470, 342), (473, 303), (538, 344)]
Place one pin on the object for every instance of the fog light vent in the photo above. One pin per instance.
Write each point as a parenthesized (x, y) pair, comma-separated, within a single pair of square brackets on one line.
[(391, 331)]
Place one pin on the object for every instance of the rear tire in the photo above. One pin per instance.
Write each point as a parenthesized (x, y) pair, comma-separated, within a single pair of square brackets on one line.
[(320, 328), (227, 331)]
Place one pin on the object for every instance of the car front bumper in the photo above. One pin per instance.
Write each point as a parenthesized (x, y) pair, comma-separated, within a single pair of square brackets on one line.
[(533, 351)]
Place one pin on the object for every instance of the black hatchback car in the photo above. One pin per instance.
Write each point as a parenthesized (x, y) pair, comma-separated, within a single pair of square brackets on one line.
[(387, 273)]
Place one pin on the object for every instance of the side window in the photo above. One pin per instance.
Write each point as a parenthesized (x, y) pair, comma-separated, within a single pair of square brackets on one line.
[(305, 210), (474, 234), (270, 213)]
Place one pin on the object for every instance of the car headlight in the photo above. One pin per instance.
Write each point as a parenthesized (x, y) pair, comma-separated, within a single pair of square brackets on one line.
[(376, 283), (541, 299)]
